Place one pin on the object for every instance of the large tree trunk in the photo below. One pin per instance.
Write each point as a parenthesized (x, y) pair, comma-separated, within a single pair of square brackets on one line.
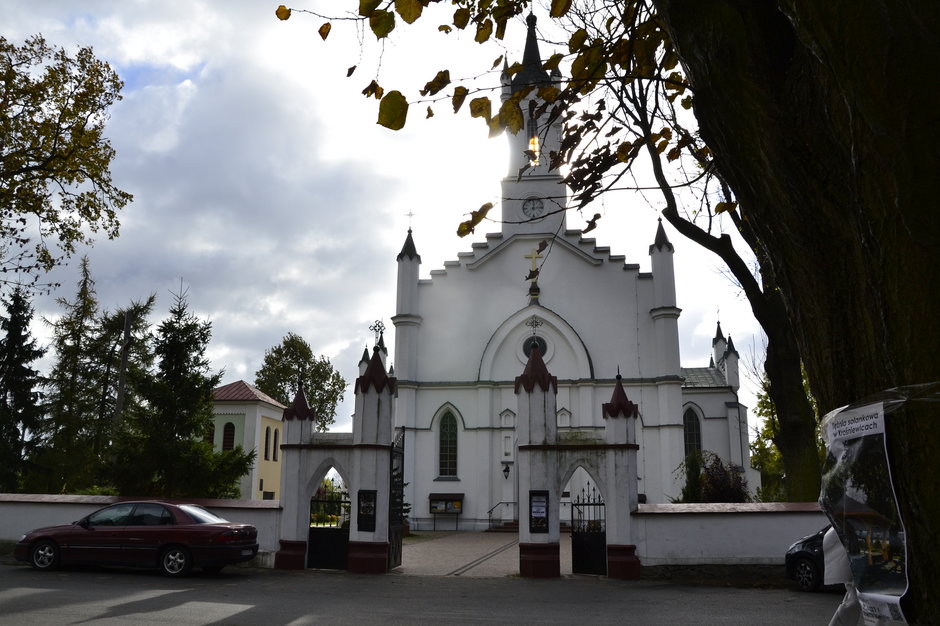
[(824, 123)]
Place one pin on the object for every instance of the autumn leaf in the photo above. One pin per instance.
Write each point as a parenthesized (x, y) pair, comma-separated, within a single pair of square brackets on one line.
[(496, 63), (480, 107), (686, 103), (673, 154), (433, 86), (393, 111), (592, 223), (282, 13), (553, 61), (722, 207), (366, 7), (465, 228), (461, 18), (444, 28), (484, 31), (430, 113), (410, 10), (349, 72), (373, 89), (560, 7), (577, 40), (460, 94), (510, 114), (382, 23), (324, 31), (549, 93)]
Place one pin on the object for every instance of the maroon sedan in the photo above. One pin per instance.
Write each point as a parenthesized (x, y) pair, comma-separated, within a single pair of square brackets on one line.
[(173, 538)]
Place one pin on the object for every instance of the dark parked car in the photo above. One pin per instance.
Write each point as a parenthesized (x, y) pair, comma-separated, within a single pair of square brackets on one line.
[(171, 537), (805, 563)]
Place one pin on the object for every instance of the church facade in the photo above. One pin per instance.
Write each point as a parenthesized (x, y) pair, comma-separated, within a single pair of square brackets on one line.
[(464, 335)]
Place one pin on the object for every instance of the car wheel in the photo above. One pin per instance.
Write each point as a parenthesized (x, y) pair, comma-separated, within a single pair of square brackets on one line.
[(807, 575), (175, 561), (45, 555)]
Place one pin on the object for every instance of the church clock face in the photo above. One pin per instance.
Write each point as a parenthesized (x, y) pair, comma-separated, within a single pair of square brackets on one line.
[(533, 207)]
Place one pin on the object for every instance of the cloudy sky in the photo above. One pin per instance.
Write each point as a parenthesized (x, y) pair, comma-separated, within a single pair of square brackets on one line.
[(262, 184)]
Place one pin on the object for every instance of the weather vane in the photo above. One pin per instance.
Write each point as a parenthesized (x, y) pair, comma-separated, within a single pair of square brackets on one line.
[(377, 328)]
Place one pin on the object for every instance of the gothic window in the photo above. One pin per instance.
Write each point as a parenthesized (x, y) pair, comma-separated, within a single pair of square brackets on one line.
[(448, 446), (228, 436), (277, 436), (693, 432), (267, 443)]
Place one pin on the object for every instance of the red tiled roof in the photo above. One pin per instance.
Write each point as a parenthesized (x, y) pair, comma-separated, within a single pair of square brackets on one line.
[(241, 391)]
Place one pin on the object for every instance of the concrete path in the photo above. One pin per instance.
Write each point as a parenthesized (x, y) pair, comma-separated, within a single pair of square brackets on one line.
[(468, 554)]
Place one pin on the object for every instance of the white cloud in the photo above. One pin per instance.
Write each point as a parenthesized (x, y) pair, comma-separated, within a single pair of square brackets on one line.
[(262, 183)]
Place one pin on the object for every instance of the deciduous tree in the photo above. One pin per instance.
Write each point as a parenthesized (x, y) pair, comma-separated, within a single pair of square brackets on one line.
[(293, 361), (55, 178)]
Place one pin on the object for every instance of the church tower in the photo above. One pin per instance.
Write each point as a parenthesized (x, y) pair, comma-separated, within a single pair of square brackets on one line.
[(534, 197)]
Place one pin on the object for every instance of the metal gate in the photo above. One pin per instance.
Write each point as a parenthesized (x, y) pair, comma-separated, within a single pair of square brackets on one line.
[(396, 500), (588, 532), (328, 539)]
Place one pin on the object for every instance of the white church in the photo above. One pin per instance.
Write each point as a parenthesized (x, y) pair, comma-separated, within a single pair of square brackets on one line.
[(463, 336)]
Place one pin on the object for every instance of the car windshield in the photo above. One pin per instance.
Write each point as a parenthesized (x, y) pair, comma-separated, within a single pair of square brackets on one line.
[(202, 516)]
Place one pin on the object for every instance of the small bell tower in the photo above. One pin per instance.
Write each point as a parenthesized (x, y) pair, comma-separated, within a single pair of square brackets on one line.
[(534, 197)]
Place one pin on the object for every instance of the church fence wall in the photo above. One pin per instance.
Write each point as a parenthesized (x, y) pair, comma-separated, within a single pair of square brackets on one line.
[(731, 534), (20, 513)]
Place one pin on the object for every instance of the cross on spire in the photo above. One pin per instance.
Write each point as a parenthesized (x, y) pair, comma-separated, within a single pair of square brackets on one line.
[(377, 328)]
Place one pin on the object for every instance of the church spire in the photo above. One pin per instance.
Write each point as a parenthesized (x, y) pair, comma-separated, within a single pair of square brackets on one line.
[(661, 240), (408, 250), (532, 72)]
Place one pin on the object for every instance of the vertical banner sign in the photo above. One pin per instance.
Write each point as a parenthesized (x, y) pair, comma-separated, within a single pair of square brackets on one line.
[(859, 498)]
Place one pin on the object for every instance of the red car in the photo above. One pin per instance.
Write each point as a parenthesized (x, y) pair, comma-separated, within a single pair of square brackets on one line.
[(171, 537)]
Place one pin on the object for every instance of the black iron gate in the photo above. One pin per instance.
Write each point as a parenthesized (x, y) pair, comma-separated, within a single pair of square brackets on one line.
[(396, 500), (328, 539), (588, 532)]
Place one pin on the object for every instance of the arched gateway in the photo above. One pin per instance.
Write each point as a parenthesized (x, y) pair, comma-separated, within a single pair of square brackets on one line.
[(370, 462)]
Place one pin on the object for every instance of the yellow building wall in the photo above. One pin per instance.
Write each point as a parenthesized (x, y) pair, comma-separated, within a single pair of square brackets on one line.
[(269, 466)]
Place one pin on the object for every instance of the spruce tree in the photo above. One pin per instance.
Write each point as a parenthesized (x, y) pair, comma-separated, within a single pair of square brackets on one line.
[(20, 399), (164, 438), (66, 462)]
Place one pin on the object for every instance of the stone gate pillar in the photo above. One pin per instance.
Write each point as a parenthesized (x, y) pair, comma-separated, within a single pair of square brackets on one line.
[(620, 437), (370, 486), (299, 419), (536, 431)]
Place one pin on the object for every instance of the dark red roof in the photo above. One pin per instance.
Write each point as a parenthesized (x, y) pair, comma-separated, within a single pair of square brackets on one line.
[(299, 408), (536, 373), (241, 391), (375, 375), (620, 405)]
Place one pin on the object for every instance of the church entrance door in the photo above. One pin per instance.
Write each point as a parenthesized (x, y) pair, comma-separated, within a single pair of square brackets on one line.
[(588, 532)]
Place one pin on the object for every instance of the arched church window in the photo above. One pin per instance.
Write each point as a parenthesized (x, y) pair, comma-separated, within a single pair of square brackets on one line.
[(267, 443), (693, 432), (277, 437), (228, 436), (448, 446)]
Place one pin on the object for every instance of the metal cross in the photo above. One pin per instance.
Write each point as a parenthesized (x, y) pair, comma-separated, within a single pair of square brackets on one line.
[(410, 215), (534, 254), (377, 328), (533, 323)]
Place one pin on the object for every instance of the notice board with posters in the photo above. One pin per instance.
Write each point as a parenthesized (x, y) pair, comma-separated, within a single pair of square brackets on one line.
[(859, 497)]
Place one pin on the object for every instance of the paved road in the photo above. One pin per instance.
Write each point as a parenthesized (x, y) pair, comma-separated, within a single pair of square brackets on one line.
[(446, 579)]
